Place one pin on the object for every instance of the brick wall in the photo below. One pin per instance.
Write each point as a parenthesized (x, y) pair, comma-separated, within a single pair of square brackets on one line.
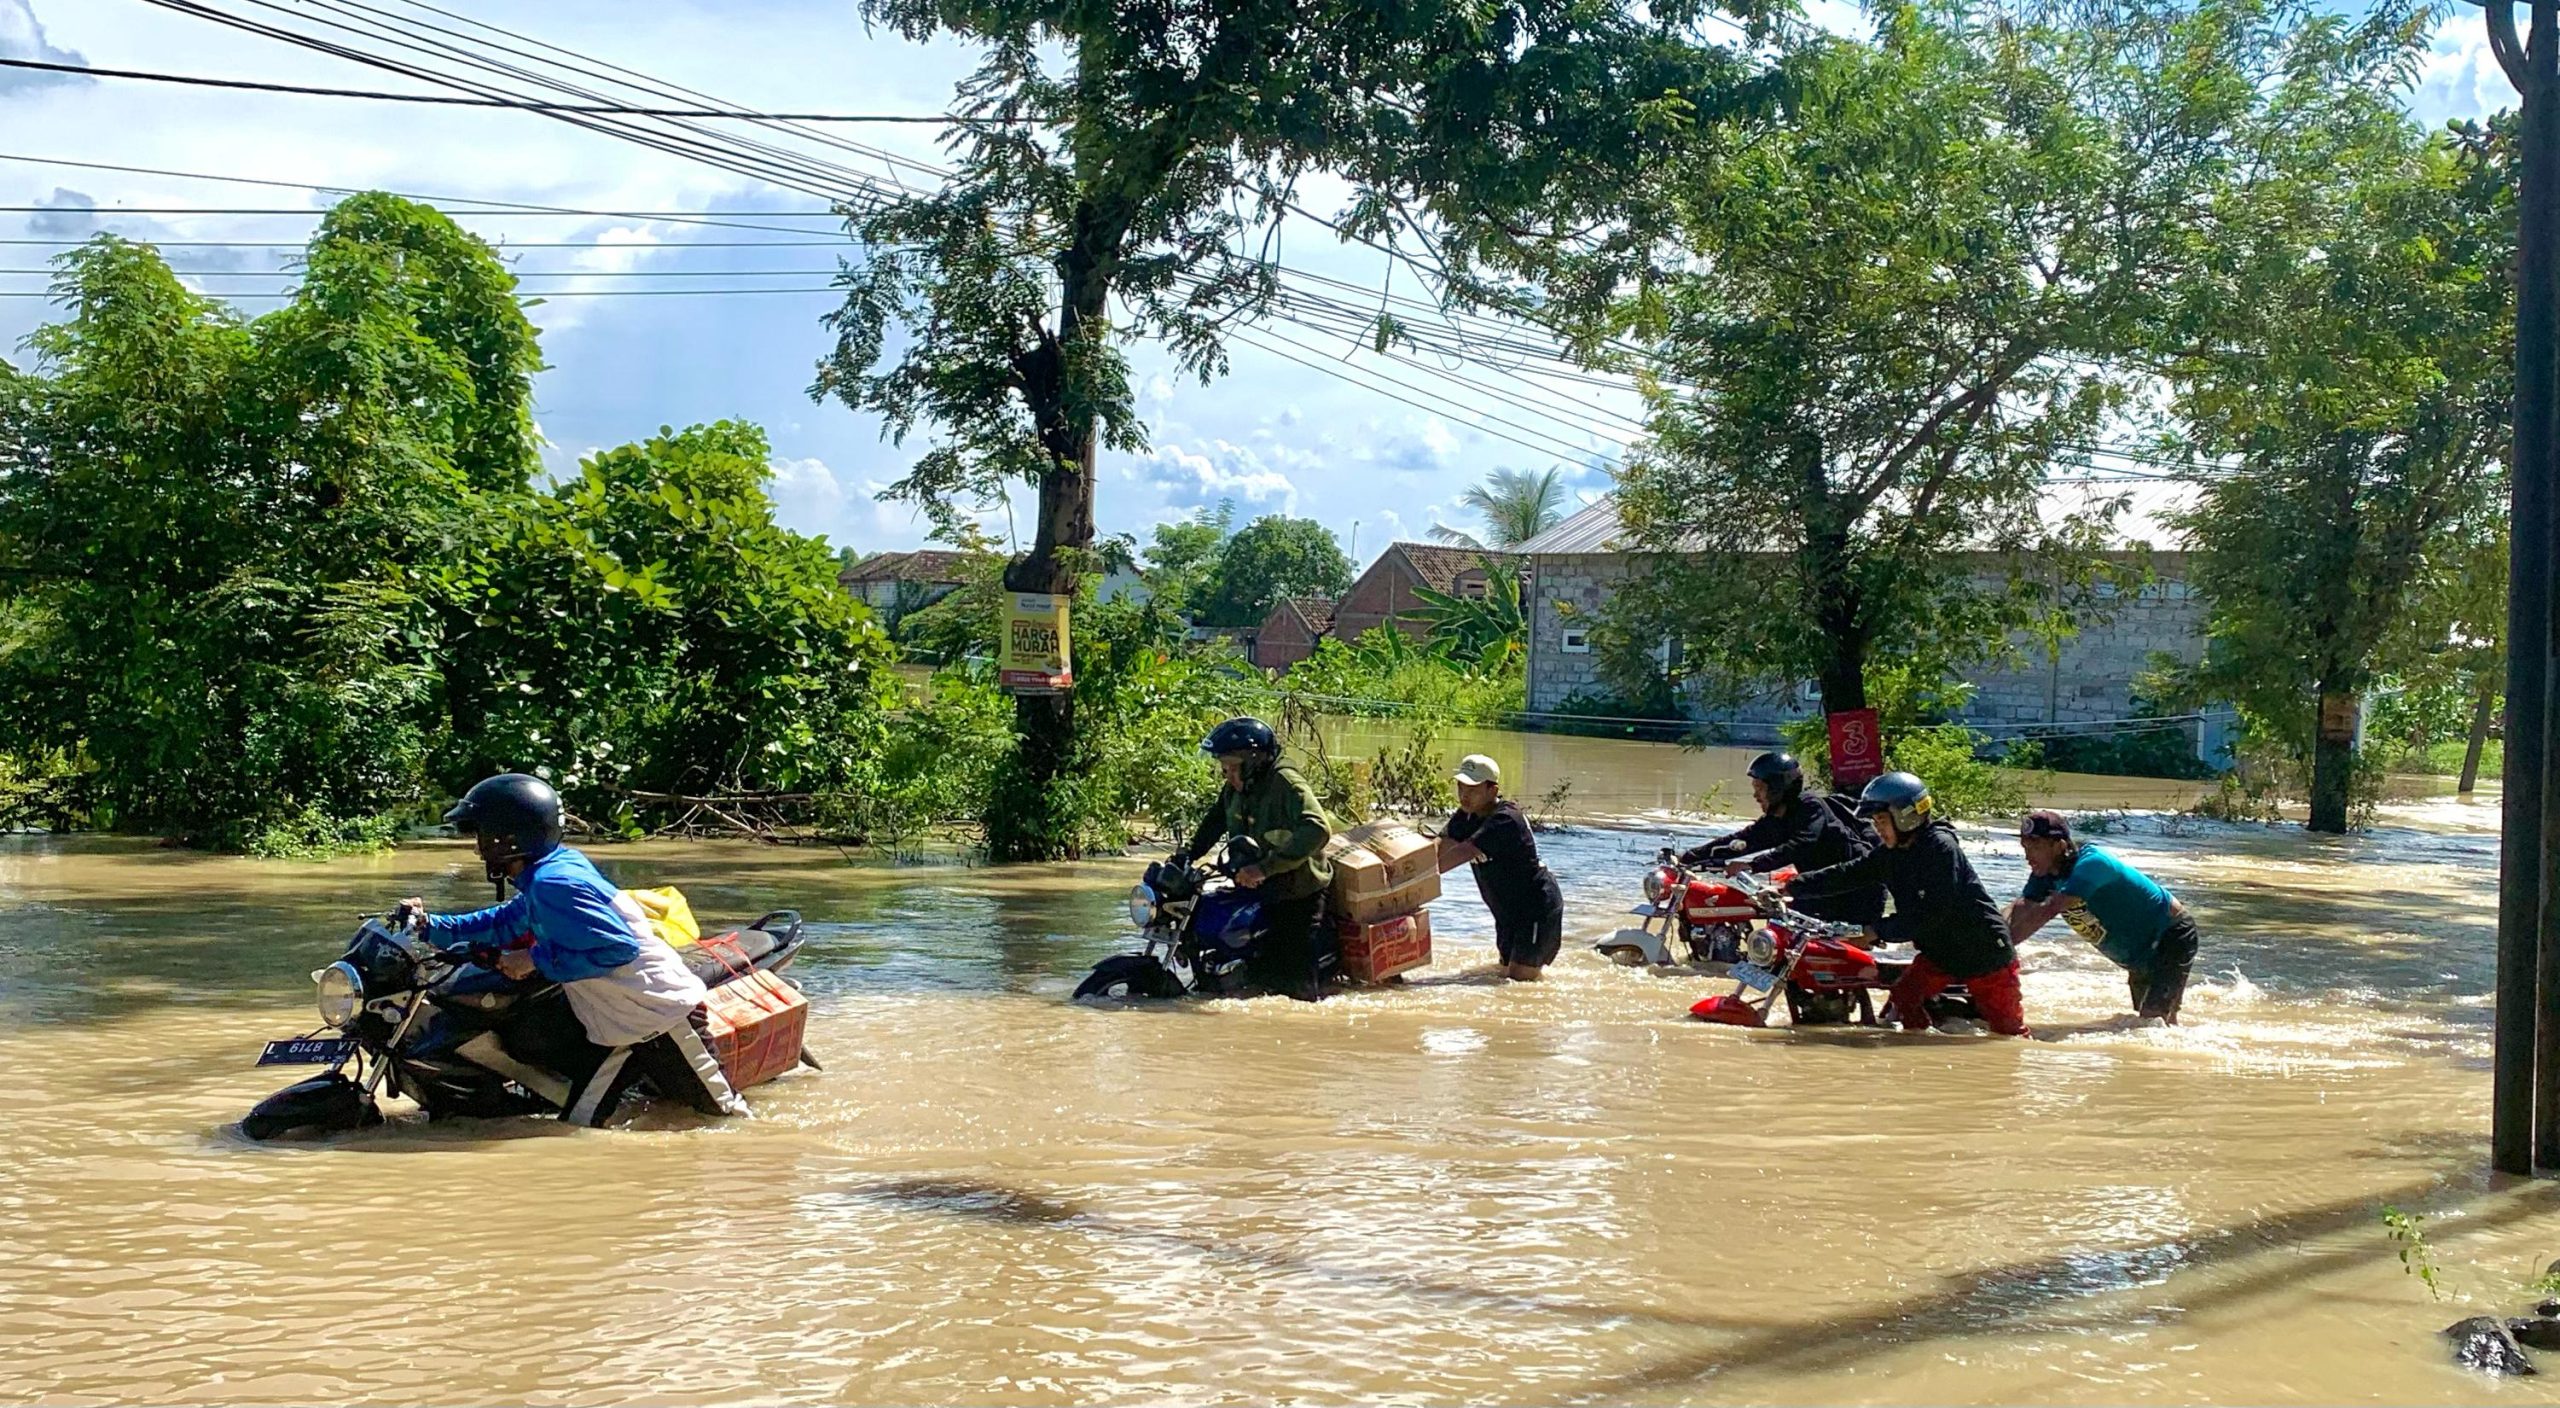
[(1283, 641)]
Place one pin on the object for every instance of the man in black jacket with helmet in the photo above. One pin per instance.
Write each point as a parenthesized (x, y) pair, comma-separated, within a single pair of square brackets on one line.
[(1800, 829), (1939, 905)]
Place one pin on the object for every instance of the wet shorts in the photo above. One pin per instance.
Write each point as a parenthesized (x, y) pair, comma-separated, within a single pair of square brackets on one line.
[(2161, 989), (1533, 936)]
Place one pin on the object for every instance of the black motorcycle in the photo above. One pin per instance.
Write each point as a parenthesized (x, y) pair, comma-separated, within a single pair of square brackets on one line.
[(1199, 930), (447, 1030)]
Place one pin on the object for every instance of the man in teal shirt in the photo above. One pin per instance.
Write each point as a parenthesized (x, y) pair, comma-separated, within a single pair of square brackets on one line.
[(2122, 912)]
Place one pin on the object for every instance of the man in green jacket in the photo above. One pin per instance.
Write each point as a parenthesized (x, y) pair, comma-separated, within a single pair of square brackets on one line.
[(1274, 806)]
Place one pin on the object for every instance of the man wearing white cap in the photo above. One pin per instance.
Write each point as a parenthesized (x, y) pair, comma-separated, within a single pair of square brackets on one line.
[(1489, 832)]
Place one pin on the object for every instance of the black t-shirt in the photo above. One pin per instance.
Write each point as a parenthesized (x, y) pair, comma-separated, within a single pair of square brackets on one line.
[(1508, 875)]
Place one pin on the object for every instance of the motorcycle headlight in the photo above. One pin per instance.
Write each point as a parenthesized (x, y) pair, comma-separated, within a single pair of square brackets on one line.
[(340, 995), (1657, 883), (1760, 948), (1142, 906)]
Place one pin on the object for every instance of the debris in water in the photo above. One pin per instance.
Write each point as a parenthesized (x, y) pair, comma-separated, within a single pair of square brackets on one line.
[(2540, 1332), (2482, 1343)]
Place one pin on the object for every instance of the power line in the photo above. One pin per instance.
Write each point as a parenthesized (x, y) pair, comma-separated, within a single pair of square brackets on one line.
[(521, 105), (502, 248), (541, 294), (719, 219)]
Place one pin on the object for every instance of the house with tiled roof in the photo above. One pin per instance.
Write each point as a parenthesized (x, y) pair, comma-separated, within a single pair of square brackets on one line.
[(1384, 595), (1289, 634), (925, 577)]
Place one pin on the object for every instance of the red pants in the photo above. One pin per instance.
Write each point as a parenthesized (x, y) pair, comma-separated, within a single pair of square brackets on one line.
[(1995, 996)]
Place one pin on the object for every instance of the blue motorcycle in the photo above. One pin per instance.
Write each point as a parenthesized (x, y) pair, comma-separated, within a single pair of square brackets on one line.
[(1199, 928)]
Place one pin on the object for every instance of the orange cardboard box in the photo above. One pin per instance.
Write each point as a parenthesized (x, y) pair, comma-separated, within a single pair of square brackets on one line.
[(1381, 949)]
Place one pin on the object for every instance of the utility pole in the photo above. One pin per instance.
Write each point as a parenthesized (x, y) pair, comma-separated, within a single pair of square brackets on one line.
[(2525, 1082)]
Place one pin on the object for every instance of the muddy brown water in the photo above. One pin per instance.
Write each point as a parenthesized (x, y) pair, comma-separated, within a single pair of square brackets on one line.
[(1454, 1191)]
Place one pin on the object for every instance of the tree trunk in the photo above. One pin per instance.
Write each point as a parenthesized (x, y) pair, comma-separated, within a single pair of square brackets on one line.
[(1027, 817), (2333, 759), (2481, 710), (1844, 676)]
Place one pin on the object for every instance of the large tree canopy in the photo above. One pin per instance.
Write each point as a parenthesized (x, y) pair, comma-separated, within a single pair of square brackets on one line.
[(1903, 299), (1125, 175), (2348, 380), (1273, 557), (217, 528)]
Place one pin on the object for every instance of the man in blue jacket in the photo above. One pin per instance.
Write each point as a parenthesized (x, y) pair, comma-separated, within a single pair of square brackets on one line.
[(640, 1006)]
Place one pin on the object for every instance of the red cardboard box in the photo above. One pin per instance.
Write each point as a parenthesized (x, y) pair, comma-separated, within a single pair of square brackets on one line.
[(1382, 948)]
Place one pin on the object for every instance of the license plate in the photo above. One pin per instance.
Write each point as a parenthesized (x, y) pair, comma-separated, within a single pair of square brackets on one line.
[(1752, 975), (1644, 910), (308, 1051)]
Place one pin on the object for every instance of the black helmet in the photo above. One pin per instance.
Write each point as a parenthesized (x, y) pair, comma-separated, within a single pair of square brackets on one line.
[(1904, 796), (515, 809), (1241, 735), (1783, 774)]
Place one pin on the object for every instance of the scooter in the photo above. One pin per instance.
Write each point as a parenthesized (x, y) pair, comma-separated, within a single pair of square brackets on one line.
[(1689, 917), (1198, 930), (444, 1028), (1825, 971)]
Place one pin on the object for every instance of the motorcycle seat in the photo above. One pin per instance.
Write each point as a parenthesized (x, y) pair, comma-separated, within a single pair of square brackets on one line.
[(717, 958)]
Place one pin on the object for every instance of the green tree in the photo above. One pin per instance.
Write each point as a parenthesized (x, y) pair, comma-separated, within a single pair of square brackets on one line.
[(1136, 163), (223, 535), (1910, 294), (1273, 557), (646, 628), (1183, 554), (2350, 378), (1515, 505)]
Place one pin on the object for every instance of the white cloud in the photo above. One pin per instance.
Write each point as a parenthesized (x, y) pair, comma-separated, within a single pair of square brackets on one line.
[(2461, 77), (22, 36), (1218, 469)]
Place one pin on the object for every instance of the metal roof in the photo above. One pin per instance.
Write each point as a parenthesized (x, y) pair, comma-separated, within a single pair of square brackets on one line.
[(1594, 529)]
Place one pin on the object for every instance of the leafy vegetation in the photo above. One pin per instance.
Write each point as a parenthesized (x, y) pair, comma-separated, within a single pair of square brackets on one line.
[(1515, 506), (1271, 558), (274, 584), (1914, 709), (2357, 410)]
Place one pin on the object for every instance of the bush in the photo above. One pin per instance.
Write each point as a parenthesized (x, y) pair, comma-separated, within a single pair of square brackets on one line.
[(1385, 675), (2165, 751), (1912, 709)]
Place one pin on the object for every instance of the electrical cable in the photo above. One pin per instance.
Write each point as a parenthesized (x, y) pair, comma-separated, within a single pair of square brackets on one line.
[(451, 100)]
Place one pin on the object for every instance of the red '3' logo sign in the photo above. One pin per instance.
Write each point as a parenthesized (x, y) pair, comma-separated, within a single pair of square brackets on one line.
[(1857, 748)]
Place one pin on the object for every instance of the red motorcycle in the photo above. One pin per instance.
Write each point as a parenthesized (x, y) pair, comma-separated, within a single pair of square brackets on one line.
[(1689, 916), (1826, 972)]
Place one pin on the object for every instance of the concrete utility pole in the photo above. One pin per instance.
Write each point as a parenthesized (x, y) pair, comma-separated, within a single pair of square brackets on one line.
[(2525, 1090)]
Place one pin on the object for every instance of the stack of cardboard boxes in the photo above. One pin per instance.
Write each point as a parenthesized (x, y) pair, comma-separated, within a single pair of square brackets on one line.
[(1384, 876)]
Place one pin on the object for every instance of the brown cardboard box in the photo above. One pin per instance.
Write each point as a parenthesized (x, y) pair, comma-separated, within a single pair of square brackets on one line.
[(1407, 852), (1374, 905), (1376, 951), (1365, 887)]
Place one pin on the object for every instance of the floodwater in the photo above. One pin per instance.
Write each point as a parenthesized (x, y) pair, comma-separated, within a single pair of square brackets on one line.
[(1453, 1191)]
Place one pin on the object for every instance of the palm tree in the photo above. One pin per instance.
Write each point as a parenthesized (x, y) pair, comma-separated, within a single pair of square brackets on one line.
[(1515, 504)]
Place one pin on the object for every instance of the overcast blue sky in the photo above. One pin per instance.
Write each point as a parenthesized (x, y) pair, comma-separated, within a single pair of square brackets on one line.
[(1275, 436)]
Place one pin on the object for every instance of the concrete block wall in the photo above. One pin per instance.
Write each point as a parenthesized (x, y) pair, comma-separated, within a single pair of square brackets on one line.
[(2092, 678)]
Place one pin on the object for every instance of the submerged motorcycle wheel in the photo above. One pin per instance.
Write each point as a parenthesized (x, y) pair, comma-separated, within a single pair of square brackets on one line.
[(325, 1104), (1131, 975)]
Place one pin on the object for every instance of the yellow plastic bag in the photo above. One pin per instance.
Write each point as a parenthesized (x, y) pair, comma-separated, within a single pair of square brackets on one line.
[(668, 913)]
